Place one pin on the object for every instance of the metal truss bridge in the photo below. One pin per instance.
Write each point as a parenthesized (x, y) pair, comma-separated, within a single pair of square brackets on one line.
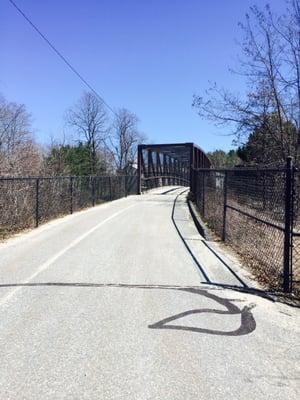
[(169, 164)]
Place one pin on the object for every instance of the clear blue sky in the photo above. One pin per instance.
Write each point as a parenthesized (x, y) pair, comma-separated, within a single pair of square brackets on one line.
[(149, 56)]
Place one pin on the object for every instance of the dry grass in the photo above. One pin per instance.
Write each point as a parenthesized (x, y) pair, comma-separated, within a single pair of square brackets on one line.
[(18, 199), (260, 246)]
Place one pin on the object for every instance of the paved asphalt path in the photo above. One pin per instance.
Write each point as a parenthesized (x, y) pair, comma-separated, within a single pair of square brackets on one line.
[(117, 302)]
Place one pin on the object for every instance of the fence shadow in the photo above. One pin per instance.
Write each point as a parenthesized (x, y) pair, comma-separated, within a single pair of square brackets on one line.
[(201, 267), (247, 322)]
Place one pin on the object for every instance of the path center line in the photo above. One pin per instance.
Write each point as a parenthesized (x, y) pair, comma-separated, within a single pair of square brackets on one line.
[(51, 260)]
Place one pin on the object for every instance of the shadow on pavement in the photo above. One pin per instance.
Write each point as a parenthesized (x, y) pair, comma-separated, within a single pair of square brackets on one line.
[(247, 322), (243, 287), (201, 268)]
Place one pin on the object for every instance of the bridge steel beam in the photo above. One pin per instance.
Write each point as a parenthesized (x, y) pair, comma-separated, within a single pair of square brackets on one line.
[(169, 163)]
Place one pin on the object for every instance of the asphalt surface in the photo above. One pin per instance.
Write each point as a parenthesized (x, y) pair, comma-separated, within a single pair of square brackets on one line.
[(125, 301)]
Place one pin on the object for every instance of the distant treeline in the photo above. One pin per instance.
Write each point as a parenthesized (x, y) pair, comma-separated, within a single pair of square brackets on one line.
[(264, 118), (100, 144)]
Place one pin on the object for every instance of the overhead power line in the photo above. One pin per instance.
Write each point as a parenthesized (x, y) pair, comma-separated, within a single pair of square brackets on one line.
[(62, 57)]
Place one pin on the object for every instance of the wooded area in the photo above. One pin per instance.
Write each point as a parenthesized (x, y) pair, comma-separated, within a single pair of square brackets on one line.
[(265, 118), (100, 144)]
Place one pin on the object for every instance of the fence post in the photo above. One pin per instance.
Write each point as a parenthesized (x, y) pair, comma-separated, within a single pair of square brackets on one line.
[(264, 190), (71, 195), (125, 185), (224, 206), (203, 193), (288, 226), (37, 189), (110, 191), (93, 191)]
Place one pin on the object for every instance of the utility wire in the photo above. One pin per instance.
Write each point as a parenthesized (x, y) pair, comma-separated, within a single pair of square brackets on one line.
[(63, 58)]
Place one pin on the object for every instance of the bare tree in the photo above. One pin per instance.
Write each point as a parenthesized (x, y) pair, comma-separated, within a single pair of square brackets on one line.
[(19, 154), (124, 140), (271, 67), (89, 119)]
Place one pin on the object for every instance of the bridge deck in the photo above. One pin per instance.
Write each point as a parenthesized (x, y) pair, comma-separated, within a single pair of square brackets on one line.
[(111, 303)]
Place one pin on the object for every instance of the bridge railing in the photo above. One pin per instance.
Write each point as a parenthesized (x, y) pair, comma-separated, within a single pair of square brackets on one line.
[(255, 210), (151, 182), (26, 202)]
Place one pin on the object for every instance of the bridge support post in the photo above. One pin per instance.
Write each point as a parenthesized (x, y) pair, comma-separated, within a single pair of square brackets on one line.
[(165, 180), (192, 188), (139, 175)]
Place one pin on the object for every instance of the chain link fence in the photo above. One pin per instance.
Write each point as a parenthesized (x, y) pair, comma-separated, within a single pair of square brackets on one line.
[(296, 232), (252, 210), (27, 202)]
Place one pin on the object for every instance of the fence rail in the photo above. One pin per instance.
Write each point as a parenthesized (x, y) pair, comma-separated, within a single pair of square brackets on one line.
[(28, 201), (151, 181), (255, 211)]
